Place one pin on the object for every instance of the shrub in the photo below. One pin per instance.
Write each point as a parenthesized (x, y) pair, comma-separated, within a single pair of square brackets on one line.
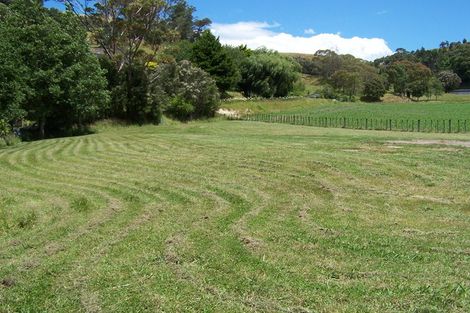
[(5, 128), (184, 91), (450, 81), (180, 109)]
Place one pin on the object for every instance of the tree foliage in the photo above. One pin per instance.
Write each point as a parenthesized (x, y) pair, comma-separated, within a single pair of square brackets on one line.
[(181, 19), (208, 54), (53, 77), (410, 79), (131, 33), (449, 80), (374, 88), (348, 83), (184, 91), (450, 56), (459, 59), (268, 74)]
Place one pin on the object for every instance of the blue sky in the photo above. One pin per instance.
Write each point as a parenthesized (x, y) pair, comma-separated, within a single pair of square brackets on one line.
[(286, 25), (402, 23)]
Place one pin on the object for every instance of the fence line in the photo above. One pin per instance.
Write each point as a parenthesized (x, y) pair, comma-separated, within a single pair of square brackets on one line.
[(403, 125)]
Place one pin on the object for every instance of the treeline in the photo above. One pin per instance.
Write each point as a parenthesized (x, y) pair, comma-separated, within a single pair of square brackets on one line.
[(129, 59), (408, 74), (449, 57), (344, 77)]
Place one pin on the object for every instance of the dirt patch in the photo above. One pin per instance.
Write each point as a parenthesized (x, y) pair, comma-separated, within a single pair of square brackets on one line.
[(90, 302), (7, 282), (171, 255), (228, 113), (251, 243), (456, 143)]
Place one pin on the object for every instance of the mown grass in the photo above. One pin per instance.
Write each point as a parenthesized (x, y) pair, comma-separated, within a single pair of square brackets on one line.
[(448, 107), (235, 217)]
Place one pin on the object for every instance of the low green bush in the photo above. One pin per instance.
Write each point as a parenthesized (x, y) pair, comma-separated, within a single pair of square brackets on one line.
[(184, 91)]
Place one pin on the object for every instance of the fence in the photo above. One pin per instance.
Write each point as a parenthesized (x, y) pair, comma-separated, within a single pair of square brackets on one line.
[(403, 125)]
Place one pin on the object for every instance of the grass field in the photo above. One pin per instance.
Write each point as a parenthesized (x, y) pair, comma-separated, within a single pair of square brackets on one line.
[(449, 107), (235, 217)]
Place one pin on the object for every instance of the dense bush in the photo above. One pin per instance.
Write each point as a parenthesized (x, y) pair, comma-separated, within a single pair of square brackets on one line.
[(48, 72), (347, 83), (435, 88), (7, 137), (450, 81), (374, 88), (208, 54), (268, 74), (184, 91), (5, 128), (410, 79)]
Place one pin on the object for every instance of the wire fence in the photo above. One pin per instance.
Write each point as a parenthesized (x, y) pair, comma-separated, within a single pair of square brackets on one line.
[(403, 125)]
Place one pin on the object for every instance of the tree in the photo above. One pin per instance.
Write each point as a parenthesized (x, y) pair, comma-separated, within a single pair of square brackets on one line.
[(184, 91), (449, 80), (13, 85), (130, 33), (459, 59), (209, 55), (435, 88), (181, 19), (268, 74), (329, 62), (59, 83), (374, 88), (122, 28), (347, 83), (409, 78)]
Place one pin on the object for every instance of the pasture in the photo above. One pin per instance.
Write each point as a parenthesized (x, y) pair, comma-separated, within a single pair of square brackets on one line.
[(448, 107), (451, 114), (231, 216)]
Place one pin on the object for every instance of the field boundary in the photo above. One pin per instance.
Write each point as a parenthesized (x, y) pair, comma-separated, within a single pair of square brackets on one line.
[(401, 125)]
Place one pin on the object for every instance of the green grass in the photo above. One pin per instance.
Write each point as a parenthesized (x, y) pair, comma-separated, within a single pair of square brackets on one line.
[(449, 107), (234, 217)]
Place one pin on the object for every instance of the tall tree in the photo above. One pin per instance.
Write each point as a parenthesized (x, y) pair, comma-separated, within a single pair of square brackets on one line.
[(121, 28), (348, 83), (460, 61), (58, 83), (409, 78), (210, 55), (130, 33), (182, 20)]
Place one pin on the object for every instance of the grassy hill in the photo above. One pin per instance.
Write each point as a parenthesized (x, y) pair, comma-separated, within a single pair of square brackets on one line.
[(234, 217)]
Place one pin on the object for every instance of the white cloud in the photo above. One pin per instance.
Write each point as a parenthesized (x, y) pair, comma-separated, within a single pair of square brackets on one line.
[(309, 31), (383, 12), (262, 34)]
